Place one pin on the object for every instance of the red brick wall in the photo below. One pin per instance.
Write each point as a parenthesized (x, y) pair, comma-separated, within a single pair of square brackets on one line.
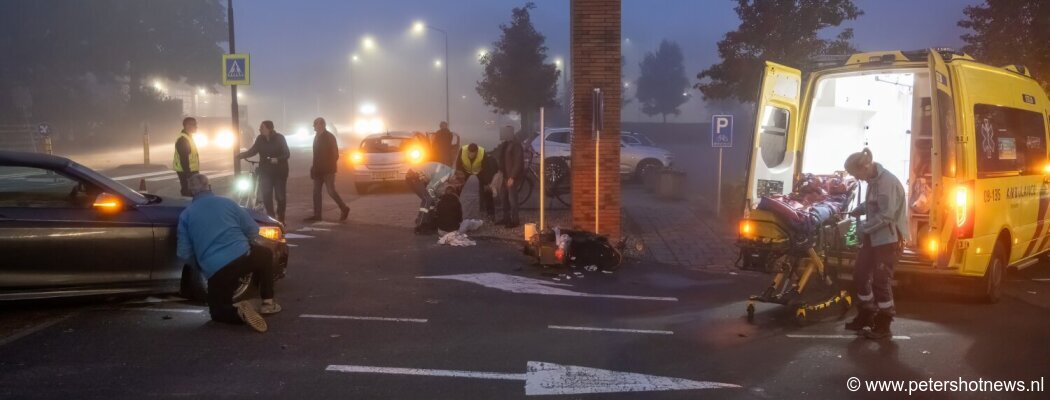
[(595, 63)]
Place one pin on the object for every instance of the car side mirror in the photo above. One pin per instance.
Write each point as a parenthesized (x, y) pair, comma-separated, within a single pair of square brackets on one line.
[(108, 203)]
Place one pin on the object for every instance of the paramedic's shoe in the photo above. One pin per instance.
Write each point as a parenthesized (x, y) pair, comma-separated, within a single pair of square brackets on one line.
[(269, 308), (864, 319), (881, 329), (346, 213), (247, 312)]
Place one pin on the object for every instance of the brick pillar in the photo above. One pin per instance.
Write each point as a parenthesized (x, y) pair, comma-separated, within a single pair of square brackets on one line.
[(595, 63)]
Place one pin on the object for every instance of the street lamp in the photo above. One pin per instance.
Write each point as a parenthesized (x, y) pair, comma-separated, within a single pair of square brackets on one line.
[(482, 53), (353, 89), (368, 43), (418, 28), (437, 63)]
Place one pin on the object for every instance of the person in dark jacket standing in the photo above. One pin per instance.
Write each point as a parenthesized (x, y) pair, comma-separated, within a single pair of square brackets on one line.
[(511, 158), (326, 158), (441, 144), (186, 161), (273, 153)]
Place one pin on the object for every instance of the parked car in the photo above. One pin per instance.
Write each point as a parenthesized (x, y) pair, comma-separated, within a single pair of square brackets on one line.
[(66, 230), (385, 157), (638, 155)]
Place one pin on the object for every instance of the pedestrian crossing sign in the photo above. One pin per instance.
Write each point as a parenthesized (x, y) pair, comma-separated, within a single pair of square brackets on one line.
[(235, 69)]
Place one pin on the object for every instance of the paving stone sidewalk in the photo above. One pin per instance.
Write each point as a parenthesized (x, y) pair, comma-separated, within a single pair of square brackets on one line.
[(677, 233)]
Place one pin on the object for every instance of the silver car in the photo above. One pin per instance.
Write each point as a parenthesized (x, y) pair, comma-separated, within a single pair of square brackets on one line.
[(638, 155), (385, 157)]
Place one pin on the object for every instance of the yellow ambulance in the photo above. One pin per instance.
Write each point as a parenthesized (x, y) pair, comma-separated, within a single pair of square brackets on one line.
[(967, 140)]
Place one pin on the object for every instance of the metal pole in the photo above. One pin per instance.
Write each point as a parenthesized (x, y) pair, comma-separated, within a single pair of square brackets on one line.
[(447, 64), (145, 143), (718, 191), (235, 109), (543, 178)]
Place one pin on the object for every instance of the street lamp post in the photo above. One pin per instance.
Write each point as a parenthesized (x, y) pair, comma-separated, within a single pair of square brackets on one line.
[(418, 27)]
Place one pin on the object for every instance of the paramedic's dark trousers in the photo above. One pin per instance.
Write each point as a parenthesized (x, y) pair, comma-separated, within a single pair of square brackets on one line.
[(329, 181), (224, 283), (873, 275), (184, 178), (485, 199)]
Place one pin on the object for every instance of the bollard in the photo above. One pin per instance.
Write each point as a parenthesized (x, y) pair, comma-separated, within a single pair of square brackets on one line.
[(142, 186), (47, 145)]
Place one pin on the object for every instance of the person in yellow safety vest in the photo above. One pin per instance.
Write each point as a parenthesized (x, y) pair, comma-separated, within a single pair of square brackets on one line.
[(186, 161), (472, 161)]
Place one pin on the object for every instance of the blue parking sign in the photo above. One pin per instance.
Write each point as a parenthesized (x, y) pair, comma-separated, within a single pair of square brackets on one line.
[(721, 131)]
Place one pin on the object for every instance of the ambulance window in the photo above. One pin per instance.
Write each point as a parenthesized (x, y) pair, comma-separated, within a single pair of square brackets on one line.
[(773, 137), (1009, 140), (946, 110)]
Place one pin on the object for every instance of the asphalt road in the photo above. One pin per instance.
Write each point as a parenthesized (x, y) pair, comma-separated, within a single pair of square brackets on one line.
[(455, 338)]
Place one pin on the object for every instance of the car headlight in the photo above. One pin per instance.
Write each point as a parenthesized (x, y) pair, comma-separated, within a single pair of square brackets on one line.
[(225, 138), (415, 155), (271, 232), (200, 139)]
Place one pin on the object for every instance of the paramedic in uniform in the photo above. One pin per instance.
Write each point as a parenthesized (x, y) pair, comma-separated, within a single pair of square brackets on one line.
[(473, 161), (882, 233)]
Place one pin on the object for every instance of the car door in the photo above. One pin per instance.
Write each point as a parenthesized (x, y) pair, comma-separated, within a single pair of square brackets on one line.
[(630, 154), (776, 147), (51, 235)]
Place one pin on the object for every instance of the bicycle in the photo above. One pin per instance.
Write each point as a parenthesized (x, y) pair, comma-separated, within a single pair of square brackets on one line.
[(247, 188), (558, 183)]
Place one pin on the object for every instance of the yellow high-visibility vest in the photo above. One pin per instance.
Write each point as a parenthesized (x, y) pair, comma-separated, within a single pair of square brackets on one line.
[(195, 160), (474, 167)]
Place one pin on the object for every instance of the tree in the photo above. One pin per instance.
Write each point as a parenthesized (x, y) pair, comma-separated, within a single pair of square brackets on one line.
[(517, 76), (57, 47), (1007, 32), (782, 31), (662, 81)]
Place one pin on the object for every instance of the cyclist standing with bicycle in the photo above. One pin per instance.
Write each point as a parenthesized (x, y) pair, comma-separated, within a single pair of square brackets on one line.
[(272, 149)]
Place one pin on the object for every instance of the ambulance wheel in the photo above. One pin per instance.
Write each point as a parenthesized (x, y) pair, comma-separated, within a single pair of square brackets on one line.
[(993, 276), (750, 312)]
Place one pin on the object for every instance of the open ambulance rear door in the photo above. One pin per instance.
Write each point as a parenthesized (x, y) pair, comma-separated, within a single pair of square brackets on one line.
[(776, 145), (947, 221)]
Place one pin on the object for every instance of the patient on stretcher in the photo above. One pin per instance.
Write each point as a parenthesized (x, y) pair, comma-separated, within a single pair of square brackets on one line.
[(818, 198)]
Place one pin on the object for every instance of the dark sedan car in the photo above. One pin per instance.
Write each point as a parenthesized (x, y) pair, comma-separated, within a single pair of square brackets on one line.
[(66, 230)]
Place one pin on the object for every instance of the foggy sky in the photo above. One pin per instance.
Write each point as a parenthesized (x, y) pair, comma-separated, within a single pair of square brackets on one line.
[(293, 43)]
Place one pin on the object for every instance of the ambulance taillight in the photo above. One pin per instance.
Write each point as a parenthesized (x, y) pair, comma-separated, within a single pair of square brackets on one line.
[(964, 210)]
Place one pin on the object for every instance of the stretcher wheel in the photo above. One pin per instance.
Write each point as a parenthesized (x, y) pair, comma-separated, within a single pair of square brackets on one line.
[(750, 312), (800, 316)]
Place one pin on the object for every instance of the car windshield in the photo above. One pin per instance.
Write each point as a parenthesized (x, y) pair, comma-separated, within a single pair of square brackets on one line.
[(384, 145), (109, 185), (639, 139)]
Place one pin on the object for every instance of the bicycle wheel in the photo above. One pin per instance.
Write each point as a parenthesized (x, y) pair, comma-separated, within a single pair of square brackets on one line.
[(559, 181), (524, 191)]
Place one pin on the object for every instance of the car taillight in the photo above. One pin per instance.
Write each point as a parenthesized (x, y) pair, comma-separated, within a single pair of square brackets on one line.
[(356, 157), (964, 210)]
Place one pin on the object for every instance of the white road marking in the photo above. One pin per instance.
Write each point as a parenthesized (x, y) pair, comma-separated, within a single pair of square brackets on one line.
[(174, 176), (358, 318), (178, 310), (542, 378), (325, 223), (900, 337), (292, 245), (36, 328), (220, 175), (145, 175), (587, 328), (297, 236), (311, 229), (1041, 279), (520, 284)]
